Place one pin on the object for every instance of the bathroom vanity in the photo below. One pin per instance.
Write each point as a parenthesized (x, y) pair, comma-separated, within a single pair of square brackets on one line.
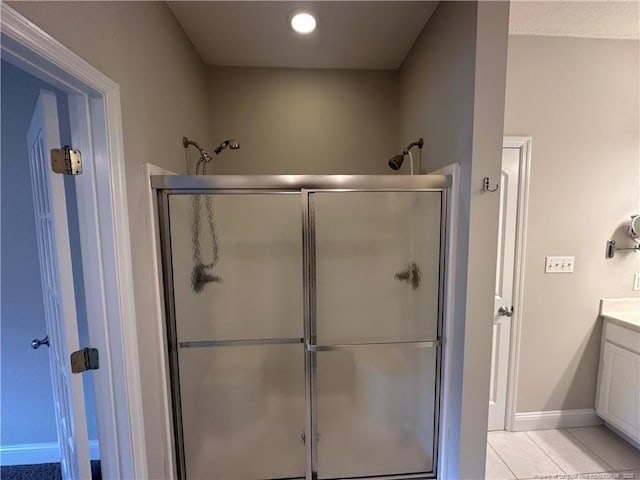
[(618, 392)]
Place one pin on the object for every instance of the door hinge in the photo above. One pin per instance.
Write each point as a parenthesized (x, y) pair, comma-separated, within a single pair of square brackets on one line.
[(66, 161), (85, 359)]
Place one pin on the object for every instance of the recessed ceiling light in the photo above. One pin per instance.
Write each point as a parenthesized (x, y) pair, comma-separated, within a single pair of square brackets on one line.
[(303, 22)]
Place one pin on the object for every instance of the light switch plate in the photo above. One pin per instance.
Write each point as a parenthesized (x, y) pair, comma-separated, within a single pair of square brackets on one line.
[(636, 282), (559, 264)]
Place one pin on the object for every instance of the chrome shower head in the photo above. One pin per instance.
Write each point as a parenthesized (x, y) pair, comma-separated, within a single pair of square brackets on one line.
[(231, 143), (395, 162)]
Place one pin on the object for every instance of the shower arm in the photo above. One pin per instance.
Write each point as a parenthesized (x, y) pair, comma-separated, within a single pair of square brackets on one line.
[(418, 144), (407, 151), (204, 156)]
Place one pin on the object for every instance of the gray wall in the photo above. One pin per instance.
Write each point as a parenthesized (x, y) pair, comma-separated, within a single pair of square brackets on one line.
[(451, 93), (27, 406), (436, 88), (578, 100), (437, 82), (164, 96), (304, 121), (452, 86)]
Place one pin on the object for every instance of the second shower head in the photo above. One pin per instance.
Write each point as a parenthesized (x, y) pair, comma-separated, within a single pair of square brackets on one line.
[(395, 162), (231, 143)]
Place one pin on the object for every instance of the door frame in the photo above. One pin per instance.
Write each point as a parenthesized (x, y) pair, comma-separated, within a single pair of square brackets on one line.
[(96, 127), (523, 144)]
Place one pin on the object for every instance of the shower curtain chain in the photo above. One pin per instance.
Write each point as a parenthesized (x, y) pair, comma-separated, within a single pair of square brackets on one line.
[(195, 231), (212, 229)]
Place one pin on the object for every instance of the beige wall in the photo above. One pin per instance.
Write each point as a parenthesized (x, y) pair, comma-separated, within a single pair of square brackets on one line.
[(452, 86), (303, 121), (164, 96), (578, 100)]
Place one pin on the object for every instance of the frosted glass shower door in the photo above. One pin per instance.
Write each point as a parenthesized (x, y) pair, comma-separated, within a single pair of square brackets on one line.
[(374, 330), (236, 263)]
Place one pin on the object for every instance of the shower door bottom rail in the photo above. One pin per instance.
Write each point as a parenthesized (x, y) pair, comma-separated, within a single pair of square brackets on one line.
[(400, 476)]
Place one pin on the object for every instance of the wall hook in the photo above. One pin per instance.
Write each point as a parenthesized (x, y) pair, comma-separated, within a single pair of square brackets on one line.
[(485, 185)]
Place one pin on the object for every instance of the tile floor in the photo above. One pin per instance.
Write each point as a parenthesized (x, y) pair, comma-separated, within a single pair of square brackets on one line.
[(588, 453)]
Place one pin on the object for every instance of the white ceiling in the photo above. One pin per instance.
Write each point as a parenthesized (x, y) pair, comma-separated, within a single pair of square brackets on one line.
[(597, 19), (350, 34)]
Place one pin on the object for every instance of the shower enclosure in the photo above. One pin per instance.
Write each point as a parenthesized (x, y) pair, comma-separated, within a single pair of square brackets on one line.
[(311, 349)]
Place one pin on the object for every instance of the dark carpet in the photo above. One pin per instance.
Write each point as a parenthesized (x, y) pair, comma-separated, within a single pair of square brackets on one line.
[(42, 471)]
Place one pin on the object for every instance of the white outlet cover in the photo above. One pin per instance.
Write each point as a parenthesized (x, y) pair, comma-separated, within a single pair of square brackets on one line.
[(636, 282)]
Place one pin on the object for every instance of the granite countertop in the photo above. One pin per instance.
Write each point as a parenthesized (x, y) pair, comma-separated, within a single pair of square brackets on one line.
[(623, 311)]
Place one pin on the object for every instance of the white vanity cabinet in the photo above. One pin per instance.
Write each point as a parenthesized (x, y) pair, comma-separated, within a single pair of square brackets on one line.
[(618, 393)]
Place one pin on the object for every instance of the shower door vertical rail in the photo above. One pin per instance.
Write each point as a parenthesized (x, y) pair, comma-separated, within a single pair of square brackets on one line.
[(171, 334), (444, 245), (308, 246)]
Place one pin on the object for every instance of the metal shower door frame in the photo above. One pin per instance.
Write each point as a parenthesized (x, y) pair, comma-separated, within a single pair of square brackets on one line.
[(303, 185)]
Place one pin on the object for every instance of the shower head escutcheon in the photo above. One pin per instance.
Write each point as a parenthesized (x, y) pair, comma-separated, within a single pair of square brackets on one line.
[(395, 162)]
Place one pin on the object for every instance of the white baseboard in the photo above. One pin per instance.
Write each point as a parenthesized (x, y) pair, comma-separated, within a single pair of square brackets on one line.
[(32, 453), (556, 419)]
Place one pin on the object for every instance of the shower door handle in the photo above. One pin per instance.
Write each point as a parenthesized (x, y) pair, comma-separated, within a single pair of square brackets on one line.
[(411, 275)]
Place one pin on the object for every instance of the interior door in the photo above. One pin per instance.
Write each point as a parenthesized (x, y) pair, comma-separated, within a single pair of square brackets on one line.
[(503, 307), (373, 338), (57, 287)]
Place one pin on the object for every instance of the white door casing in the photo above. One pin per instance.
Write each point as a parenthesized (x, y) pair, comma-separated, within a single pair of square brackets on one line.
[(57, 288), (504, 288), (104, 236)]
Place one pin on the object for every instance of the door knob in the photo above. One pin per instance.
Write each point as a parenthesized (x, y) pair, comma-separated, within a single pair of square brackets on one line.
[(35, 344), (505, 312)]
